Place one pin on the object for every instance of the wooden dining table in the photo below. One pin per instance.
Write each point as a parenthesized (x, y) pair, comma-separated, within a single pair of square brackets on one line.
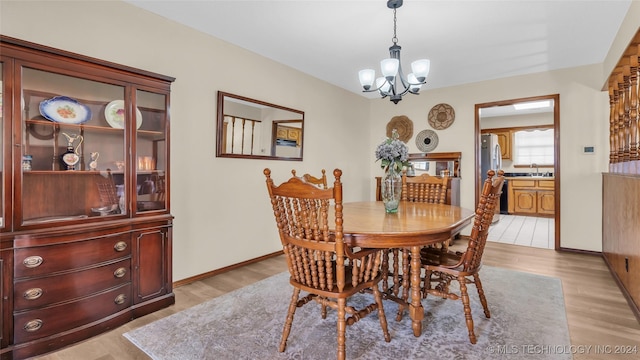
[(415, 225)]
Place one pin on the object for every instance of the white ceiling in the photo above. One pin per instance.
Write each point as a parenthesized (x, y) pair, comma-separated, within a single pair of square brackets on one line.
[(466, 41)]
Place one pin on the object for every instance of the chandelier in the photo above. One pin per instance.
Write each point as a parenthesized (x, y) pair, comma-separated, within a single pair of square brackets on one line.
[(393, 83)]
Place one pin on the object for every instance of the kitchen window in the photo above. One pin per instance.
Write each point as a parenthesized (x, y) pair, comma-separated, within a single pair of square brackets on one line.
[(533, 147)]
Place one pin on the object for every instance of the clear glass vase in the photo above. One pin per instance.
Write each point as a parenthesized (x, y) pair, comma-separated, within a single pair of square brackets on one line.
[(391, 188)]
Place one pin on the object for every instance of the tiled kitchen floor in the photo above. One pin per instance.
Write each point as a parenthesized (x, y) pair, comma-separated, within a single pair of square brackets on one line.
[(524, 230)]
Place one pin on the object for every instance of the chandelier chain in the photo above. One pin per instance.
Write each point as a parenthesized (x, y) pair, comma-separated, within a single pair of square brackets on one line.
[(395, 37)]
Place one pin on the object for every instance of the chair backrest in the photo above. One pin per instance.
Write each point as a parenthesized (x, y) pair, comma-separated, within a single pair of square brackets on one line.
[(318, 181), (301, 212), (489, 199), (424, 188)]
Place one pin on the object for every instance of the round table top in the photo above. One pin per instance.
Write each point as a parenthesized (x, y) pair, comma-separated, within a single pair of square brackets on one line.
[(367, 224)]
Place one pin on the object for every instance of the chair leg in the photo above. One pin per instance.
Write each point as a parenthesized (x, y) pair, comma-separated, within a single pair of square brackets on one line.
[(427, 283), (483, 299), (323, 311), (406, 261), (289, 320), (385, 270), (467, 308), (381, 315), (342, 328)]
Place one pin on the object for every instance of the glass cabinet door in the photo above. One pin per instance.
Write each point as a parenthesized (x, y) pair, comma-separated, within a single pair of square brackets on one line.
[(73, 147), (151, 151)]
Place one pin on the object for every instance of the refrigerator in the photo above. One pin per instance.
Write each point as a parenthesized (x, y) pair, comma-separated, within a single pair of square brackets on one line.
[(490, 159)]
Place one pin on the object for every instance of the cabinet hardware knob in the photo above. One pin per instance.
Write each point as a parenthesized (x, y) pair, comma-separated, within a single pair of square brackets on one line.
[(33, 261), (120, 272), (120, 246), (33, 325), (33, 293), (120, 299)]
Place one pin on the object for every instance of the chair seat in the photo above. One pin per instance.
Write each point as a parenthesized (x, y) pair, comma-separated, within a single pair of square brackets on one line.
[(439, 257), (348, 290)]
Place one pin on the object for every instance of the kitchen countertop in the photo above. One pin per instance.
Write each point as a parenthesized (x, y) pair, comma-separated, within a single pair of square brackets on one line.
[(530, 177)]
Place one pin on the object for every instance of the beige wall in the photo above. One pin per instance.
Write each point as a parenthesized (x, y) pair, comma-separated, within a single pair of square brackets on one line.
[(222, 213), (583, 114), (221, 208)]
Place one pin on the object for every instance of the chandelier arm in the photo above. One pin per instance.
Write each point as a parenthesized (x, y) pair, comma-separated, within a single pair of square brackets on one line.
[(378, 89)]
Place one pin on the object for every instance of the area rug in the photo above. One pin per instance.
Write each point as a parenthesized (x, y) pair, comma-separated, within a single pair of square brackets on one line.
[(528, 321)]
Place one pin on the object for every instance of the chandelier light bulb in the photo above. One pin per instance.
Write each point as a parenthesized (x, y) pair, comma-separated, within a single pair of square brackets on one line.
[(367, 77), (414, 84), (390, 68), (420, 69), (383, 85)]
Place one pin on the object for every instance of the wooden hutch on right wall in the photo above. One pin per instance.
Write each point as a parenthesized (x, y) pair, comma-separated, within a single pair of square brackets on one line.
[(621, 185)]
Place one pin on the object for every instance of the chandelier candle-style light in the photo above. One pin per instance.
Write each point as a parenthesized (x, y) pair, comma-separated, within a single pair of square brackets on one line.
[(393, 83)]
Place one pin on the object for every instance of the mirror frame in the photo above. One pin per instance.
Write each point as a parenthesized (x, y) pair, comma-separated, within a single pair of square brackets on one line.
[(556, 144), (220, 125)]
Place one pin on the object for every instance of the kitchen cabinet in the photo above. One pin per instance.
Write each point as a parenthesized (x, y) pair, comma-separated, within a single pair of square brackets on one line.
[(289, 133), (505, 137), (531, 196), (85, 222)]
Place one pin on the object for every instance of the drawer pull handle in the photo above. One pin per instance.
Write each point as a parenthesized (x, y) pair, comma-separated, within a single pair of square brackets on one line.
[(33, 261), (32, 293), (120, 299), (33, 325), (120, 272), (120, 246)]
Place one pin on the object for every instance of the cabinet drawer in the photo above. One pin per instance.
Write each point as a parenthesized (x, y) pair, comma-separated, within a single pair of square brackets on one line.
[(34, 324), (47, 259), (546, 184), (523, 183), (53, 289)]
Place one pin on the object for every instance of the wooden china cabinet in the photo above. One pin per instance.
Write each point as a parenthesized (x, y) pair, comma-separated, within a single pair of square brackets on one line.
[(85, 226)]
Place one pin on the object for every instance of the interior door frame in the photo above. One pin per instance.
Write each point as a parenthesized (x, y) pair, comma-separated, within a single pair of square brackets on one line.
[(556, 151)]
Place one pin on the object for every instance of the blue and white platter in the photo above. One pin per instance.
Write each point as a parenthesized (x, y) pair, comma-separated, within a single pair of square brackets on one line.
[(65, 110)]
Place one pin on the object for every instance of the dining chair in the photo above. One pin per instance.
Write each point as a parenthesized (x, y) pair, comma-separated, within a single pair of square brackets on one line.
[(424, 188), (319, 181), (444, 267), (319, 261)]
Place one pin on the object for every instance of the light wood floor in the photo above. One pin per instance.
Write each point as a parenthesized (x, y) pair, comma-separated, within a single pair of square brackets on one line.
[(597, 312)]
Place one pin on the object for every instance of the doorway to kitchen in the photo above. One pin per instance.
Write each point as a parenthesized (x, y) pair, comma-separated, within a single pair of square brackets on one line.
[(532, 189)]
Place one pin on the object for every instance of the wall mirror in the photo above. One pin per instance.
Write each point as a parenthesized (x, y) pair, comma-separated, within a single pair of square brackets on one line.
[(254, 129), (436, 164)]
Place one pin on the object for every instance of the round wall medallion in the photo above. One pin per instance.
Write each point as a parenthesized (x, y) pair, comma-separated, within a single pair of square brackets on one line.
[(441, 116), (427, 140), (403, 124)]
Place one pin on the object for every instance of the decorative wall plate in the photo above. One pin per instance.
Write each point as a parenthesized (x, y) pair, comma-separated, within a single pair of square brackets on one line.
[(114, 113), (427, 140), (441, 116), (65, 110), (403, 124)]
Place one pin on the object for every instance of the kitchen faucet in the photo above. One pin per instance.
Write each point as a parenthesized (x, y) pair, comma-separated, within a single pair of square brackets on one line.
[(537, 169)]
